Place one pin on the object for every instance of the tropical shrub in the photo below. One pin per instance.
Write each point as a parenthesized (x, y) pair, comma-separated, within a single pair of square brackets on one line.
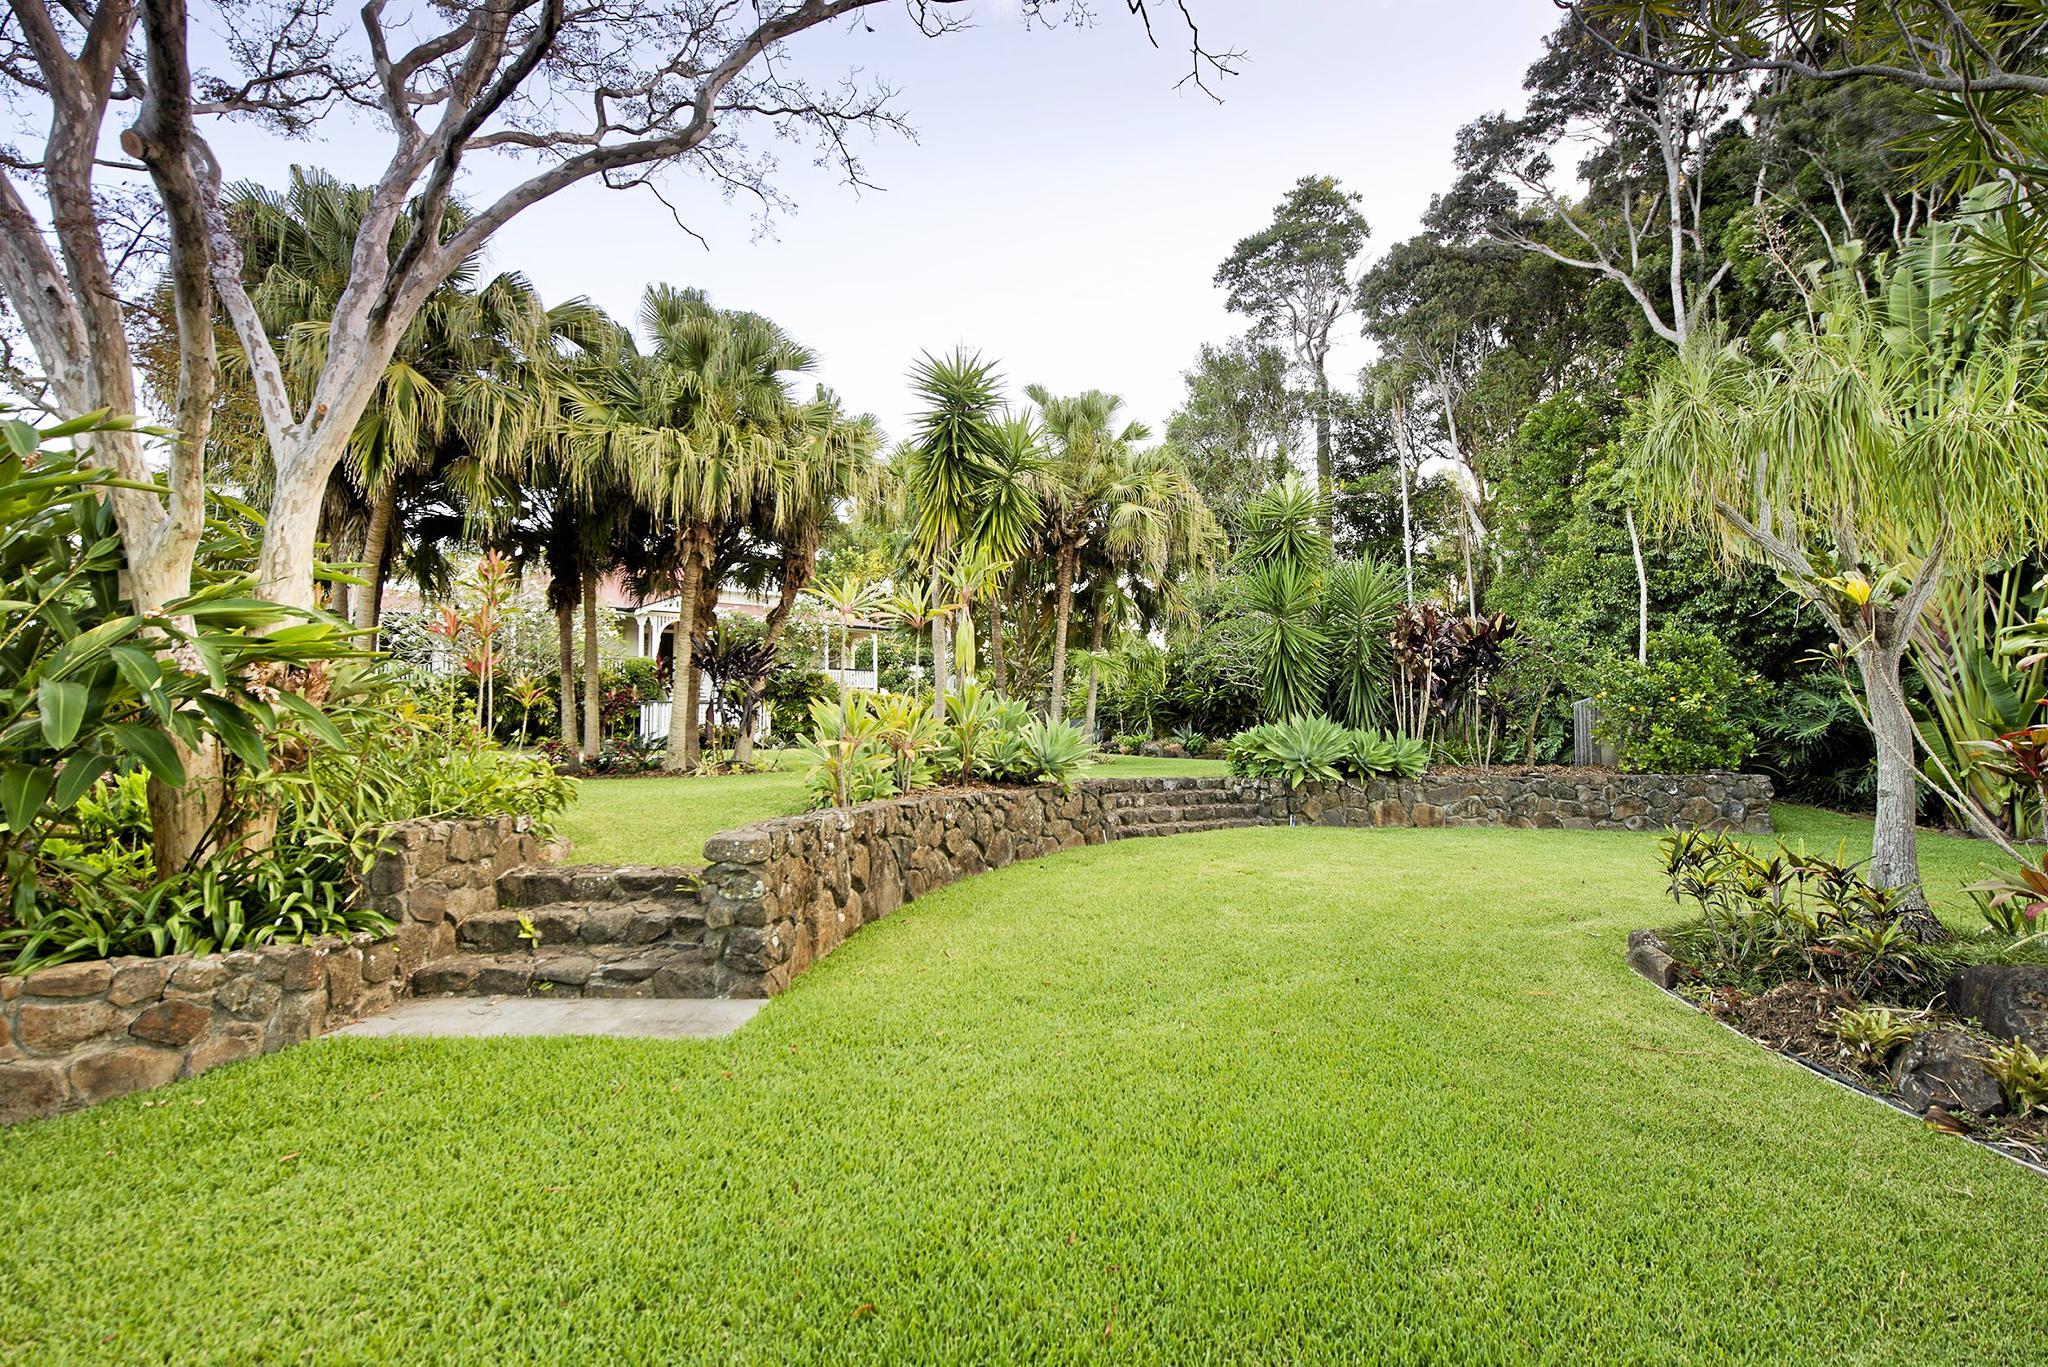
[(848, 760), (382, 752), (1871, 1035), (1691, 708), (1773, 915), (884, 744), (2022, 1076), (789, 696)]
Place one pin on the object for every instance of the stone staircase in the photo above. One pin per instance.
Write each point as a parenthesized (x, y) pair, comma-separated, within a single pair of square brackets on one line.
[(570, 931), (1208, 805)]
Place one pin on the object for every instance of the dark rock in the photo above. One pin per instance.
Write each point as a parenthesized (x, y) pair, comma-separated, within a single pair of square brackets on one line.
[(1945, 1068), (2010, 1000)]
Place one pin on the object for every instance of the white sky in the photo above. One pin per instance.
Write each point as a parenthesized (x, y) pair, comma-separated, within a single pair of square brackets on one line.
[(1063, 207)]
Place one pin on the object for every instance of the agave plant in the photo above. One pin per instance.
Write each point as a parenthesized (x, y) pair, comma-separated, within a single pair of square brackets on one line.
[(1055, 751)]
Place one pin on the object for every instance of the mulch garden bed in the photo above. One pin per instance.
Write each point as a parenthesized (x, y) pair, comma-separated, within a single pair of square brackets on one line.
[(1794, 1018)]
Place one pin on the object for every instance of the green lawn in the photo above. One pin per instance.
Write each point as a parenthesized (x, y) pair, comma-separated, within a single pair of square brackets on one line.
[(1272, 1094), (666, 820)]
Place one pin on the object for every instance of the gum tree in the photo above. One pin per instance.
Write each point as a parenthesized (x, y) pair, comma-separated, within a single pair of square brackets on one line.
[(1293, 279), (1861, 457)]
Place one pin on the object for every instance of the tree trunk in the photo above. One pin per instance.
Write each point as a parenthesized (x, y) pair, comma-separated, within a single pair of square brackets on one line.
[(680, 688), (1894, 841), (593, 689), (184, 823), (1063, 612), (939, 679), (1094, 679), (693, 726), (565, 652), (1635, 544), (997, 661), (1326, 482), (369, 601)]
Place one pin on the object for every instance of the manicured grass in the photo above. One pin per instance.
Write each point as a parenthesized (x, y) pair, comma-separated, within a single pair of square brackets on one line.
[(666, 820), (1277, 1095)]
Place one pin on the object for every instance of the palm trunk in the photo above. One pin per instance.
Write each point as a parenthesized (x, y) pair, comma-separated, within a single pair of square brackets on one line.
[(593, 690), (682, 689), (693, 727), (1094, 650), (565, 652), (939, 679), (369, 600), (1063, 612)]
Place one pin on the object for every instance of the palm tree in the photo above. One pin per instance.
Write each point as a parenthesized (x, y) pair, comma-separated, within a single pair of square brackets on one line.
[(442, 412), (915, 606), (824, 459), (709, 408), (847, 598), (1089, 491)]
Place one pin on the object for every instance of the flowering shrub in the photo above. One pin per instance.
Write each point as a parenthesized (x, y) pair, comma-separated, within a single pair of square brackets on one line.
[(1690, 708)]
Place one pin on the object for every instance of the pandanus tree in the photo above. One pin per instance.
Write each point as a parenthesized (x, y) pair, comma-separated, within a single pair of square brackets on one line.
[(1078, 482), (1861, 457)]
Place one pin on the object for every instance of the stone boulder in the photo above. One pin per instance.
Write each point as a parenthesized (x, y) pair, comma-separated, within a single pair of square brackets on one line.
[(1945, 1068), (2011, 1000), (1649, 956)]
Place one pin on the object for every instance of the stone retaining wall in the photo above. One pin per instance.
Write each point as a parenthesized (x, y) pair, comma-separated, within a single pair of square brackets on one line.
[(784, 893), (80, 1033)]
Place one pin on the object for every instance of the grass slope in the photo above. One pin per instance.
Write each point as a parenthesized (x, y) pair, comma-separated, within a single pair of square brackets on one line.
[(1342, 1095), (667, 820)]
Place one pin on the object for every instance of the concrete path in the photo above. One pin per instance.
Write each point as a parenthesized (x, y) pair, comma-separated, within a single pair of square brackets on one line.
[(482, 1017)]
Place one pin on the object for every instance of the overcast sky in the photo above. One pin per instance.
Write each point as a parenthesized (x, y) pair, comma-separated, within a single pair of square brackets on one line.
[(1063, 206)]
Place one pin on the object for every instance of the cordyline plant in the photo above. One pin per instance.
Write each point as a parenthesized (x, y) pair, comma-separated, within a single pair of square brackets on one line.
[(1859, 457)]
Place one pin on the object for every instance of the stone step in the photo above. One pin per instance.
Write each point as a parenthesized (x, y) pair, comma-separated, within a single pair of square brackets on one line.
[(1135, 817), (511, 930), (539, 885), (665, 970), (1184, 827)]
